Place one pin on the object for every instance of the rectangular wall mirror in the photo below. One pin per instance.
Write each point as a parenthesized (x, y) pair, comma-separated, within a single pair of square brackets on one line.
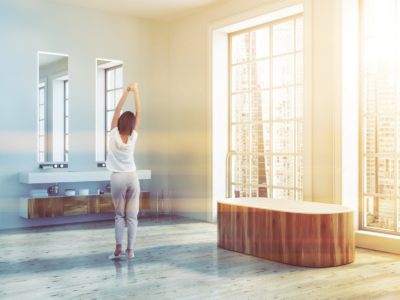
[(53, 98), (109, 89)]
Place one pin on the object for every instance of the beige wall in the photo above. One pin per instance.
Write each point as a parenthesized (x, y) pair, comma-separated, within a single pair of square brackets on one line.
[(188, 103)]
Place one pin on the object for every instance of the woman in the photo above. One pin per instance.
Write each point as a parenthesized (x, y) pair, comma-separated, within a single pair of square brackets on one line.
[(125, 187)]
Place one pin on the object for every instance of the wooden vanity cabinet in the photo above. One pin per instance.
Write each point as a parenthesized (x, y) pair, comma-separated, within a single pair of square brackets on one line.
[(34, 208)]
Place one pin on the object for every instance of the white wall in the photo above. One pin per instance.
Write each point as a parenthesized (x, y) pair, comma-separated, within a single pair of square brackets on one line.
[(188, 104), (29, 26)]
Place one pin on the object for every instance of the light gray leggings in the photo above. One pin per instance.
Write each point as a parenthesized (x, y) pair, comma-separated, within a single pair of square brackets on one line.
[(125, 192)]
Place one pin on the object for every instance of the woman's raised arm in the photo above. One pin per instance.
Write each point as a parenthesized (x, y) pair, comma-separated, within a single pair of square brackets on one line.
[(117, 112), (134, 88)]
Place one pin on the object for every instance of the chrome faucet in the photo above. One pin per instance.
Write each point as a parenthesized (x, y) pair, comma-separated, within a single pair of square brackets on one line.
[(227, 171)]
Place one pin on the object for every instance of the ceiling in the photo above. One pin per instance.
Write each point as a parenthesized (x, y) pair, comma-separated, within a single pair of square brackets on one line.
[(157, 10)]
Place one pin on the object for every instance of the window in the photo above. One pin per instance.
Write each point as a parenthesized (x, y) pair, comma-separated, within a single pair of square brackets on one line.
[(66, 108), (380, 111), (114, 92), (42, 121), (266, 110)]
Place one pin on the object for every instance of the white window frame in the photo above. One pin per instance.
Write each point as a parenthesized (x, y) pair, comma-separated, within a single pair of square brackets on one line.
[(217, 92), (298, 190), (395, 114)]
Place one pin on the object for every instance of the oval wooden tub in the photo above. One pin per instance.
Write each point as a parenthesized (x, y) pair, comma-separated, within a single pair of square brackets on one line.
[(307, 234)]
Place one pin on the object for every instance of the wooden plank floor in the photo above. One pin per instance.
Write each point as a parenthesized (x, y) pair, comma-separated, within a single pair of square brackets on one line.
[(175, 258)]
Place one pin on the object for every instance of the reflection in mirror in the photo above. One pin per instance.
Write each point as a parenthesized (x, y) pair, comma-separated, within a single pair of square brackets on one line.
[(109, 90), (53, 107)]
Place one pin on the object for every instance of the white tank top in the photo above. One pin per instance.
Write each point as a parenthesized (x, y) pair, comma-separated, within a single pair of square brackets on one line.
[(119, 154)]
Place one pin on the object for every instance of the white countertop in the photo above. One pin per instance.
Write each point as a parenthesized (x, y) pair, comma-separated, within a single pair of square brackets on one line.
[(53, 176), (300, 207)]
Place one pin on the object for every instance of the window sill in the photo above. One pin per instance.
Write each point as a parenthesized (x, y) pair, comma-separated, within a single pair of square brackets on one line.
[(378, 241)]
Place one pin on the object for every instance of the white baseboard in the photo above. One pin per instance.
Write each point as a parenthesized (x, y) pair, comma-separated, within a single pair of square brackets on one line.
[(378, 241)]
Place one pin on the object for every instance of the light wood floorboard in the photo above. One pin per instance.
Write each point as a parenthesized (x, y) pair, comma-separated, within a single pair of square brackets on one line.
[(175, 258)]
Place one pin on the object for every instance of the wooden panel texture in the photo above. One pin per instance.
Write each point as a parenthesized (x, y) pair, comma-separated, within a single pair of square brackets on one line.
[(93, 204), (145, 200), (75, 205), (309, 240), (106, 203), (45, 207)]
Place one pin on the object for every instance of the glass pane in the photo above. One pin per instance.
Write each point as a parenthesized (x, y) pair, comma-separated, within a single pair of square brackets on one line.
[(299, 195), (370, 135), (299, 34), (379, 212), (41, 127), (260, 138), (299, 171), (283, 38), (283, 137), (260, 106), (398, 178), (41, 157), (283, 70), (385, 86), (379, 54), (41, 143), (259, 192), (66, 90), (41, 112), (118, 81), (260, 74), (66, 125), (259, 40), (369, 94), (283, 170), (386, 126), (398, 44), (241, 137), (240, 108), (110, 80), (398, 134), (283, 102), (283, 194), (41, 96), (260, 167), (379, 175), (398, 213), (299, 68), (398, 13), (110, 115), (240, 191), (66, 108), (299, 102), (66, 142), (379, 16), (241, 169), (240, 78), (110, 100), (118, 96), (240, 48), (398, 89), (299, 137)]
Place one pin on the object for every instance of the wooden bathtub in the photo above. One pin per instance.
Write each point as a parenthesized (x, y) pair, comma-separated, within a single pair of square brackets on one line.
[(307, 234)]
